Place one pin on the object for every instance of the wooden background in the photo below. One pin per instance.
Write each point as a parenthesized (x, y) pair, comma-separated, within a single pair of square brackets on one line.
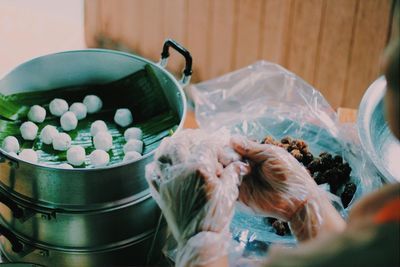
[(335, 45)]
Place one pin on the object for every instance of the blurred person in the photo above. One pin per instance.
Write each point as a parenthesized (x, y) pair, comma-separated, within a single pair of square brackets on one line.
[(196, 187)]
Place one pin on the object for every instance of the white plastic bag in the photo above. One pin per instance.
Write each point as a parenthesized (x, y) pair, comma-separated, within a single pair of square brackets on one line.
[(266, 99)]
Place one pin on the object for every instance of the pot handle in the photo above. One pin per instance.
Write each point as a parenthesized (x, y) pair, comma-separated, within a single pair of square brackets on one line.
[(12, 238), (187, 72), (17, 211)]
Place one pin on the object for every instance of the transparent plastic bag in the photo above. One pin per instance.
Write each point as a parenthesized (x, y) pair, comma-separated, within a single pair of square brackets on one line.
[(194, 179), (266, 99)]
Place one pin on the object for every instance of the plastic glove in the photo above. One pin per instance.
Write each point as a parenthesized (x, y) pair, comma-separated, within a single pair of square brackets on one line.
[(196, 193), (281, 187)]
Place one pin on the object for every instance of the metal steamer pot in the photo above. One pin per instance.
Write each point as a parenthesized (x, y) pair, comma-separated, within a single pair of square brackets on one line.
[(83, 229), (84, 188), (81, 216), (141, 251)]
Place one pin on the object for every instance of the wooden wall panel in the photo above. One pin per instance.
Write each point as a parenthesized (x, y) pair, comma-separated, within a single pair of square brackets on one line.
[(131, 24), (304, 37), (248, 29), (92, 25), (222, 37), (197, 34), (153, 20), (369, 42), (109, 25), (333, 44), (174, 27), (334, 49), (275, 30)]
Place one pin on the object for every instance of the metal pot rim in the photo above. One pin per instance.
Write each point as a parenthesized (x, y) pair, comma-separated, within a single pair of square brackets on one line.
[(371, 99)]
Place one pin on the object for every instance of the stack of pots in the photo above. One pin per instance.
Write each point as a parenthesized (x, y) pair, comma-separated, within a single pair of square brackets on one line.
[(82, 217)]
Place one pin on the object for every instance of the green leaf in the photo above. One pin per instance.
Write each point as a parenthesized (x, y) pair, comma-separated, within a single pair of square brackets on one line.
[(11, 110), (141, 92)]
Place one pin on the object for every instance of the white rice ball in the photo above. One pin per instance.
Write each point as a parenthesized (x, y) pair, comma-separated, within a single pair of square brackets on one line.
[(47, 134), (29, 130), (10, 144), (132, 155), (133, 145), (76, 155), (58, 107), (61, 141), (103, 141), (64, 166), (123, 117), (93, 103), (98, 126), (133, 133), (68, 121), (37, 114), (29, 155), (99, 158), (79, 110)]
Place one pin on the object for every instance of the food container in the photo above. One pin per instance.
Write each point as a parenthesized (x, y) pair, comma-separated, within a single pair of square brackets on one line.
[(83, 217), (379, 143), (83, 229), (139, 251), (82, 188)]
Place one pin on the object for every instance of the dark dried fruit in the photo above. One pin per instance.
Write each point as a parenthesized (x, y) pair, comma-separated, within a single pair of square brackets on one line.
[(293, 144), (307, 158), (297, 154), (300, 144), (279, 227), (325, 169), (314, 165), (346, 169), (348, 193), (327, 161), (286, 140), (341, 174), (332, 178), (338, 159), (320, 178), (333, 188), (290, 148), (287, 228), (324, 154), (332, 175)]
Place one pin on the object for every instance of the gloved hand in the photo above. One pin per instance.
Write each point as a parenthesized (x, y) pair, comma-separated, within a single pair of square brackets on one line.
[(195, 183), (281, 187)]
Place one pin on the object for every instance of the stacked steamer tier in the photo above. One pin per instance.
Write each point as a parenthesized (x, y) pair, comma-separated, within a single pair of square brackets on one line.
[(81, 217)]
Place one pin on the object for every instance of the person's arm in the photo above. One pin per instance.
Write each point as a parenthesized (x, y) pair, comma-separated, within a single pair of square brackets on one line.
[(316, 216), (281, 187), (221, 262), (197, 194)]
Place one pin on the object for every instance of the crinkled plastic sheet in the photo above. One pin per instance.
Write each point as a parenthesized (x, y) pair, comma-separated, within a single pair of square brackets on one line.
[(266, 99)]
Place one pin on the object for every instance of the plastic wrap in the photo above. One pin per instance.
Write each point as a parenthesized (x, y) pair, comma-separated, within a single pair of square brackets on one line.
[(281, 187), (266, 99), (194, 179)]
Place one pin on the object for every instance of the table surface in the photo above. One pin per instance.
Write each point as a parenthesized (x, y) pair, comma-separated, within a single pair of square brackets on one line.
[(346, 115)]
